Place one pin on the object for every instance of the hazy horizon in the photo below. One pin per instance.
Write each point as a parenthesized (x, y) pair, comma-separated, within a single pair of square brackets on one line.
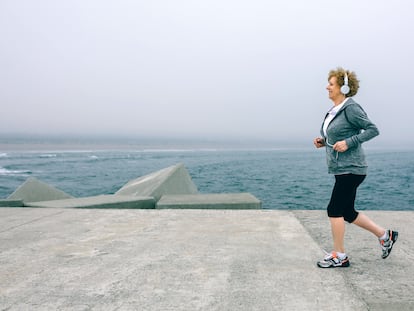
[(45, 143)]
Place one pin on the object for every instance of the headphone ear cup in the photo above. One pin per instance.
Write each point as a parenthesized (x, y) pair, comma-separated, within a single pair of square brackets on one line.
[(345, 89)]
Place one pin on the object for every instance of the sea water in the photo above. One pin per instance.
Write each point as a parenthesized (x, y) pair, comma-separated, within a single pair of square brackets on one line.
[(294, 178)]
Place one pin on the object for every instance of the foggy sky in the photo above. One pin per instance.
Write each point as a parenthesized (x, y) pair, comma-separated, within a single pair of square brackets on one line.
[(185, 68)]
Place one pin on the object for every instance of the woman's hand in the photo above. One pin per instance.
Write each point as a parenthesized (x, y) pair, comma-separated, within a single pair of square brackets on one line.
[(340, 146), (319, 142)]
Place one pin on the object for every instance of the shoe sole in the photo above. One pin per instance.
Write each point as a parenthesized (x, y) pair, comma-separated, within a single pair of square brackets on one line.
[(330, 267), (341, 266)]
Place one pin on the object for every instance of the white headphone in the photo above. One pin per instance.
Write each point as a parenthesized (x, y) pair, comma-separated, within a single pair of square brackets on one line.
[(345, 88)]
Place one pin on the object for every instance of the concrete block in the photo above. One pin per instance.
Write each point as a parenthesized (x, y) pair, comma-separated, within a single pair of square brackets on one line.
[(171, 180), (34, 190), (209, 201), (100, 201), (11, 203)]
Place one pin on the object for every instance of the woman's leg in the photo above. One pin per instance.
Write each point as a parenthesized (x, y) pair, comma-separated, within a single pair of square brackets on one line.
[(364, 222), (338, 233), (341, 207)]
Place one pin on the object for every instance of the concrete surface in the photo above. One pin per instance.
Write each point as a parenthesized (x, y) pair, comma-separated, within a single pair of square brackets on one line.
[(99, 201), (209, 201), (171, 180), (89, 259), (34, 190)]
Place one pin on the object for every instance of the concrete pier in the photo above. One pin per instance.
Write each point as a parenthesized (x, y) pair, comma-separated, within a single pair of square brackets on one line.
[(170, 188), (209, 201), (137, 259)]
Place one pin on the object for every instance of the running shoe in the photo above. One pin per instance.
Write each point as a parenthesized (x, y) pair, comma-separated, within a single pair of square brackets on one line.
[(332, 261), (386, 245)]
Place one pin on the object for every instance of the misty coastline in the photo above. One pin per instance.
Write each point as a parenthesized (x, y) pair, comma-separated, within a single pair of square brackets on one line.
[(19, 142), (42, 142)]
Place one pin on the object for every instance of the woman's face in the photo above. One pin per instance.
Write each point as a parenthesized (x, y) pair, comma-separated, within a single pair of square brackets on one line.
[(334, 90)]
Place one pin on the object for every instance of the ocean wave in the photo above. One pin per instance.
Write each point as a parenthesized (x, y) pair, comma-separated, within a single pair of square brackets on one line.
[(167, 150), (48, 155), (3, 155), (6, 172), (178, 150)]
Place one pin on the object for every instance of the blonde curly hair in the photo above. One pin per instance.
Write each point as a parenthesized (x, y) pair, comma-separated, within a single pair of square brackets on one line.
[(353, 82)]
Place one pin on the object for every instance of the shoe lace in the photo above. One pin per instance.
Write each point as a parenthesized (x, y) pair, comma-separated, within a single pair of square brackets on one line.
[(384, 243), (329, 255)]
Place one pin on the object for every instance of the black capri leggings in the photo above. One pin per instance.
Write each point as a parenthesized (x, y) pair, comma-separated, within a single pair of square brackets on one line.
[(343, 196)]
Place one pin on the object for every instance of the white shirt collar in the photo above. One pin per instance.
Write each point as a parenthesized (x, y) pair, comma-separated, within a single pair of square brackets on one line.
[(331, 114), (334, 110)]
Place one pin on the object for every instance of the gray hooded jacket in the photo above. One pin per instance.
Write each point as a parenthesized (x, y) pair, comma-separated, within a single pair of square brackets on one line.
[(351, 124)]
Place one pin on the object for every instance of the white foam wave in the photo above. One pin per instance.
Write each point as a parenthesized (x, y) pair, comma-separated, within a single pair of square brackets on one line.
[(48, 155), (179, 150), (6, 172)]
